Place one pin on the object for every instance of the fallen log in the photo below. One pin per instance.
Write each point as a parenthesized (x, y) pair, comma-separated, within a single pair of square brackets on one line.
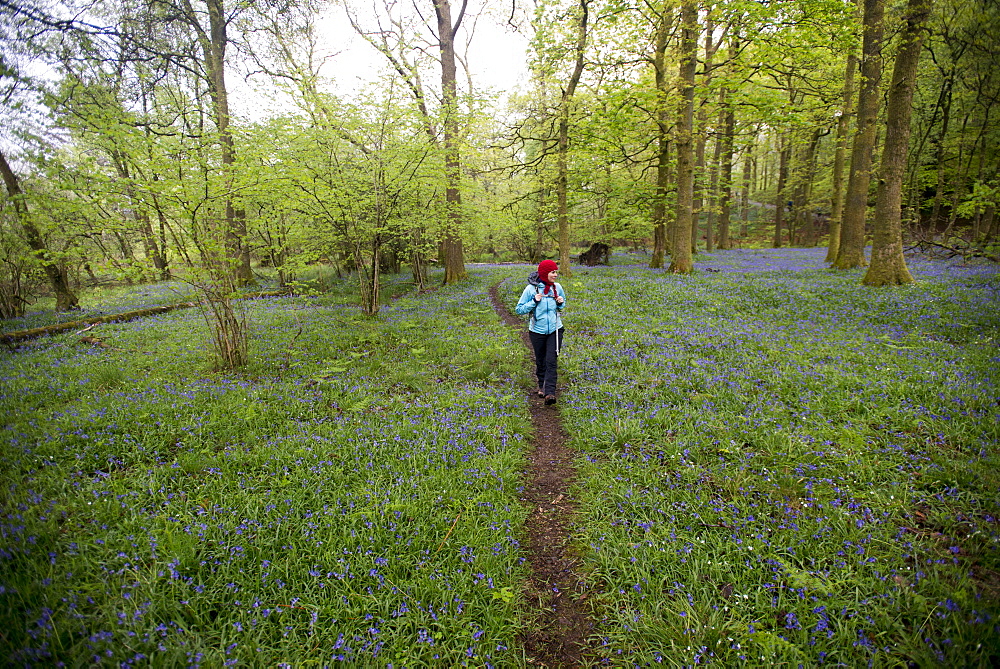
[(963, 251), (11, 338)]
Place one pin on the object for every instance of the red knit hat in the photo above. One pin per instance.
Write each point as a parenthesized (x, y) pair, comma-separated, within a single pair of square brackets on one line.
[(544, 268)]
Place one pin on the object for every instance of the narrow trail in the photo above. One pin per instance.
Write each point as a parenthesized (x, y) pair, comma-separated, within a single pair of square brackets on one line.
[(557, 635)]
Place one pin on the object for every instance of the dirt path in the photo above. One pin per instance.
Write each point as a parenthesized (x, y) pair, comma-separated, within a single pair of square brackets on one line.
[(557, 636)]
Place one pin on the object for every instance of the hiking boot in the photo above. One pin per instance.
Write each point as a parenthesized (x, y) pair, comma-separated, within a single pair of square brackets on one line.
[(550, 399)]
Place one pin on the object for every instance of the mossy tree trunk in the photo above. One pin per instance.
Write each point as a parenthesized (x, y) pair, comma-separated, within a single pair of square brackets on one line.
[(851, 253), (843, 125), (888, 266), (660, 238), (681, 260)]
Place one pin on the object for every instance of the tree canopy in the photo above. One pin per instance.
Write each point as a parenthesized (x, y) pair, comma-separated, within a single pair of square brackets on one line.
[(138, 145)]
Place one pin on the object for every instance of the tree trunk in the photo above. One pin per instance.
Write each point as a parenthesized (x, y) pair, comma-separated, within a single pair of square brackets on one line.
[(54, 271), (989, 223), (214, 49), (745, 193), (726, 168), (888, 266), (851, 253), (681, 261), (152, 247), (803, 192), (150, 244), (843, 124), (454, 252), (713, 184), (698, 203), (660, 238), (784, 153), (562, 147), (939, 186)]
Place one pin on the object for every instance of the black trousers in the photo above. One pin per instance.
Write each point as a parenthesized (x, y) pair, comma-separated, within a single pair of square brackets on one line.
[(547, 359)]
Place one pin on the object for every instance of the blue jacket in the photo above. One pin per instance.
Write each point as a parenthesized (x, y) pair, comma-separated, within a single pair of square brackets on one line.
[(545, 313)]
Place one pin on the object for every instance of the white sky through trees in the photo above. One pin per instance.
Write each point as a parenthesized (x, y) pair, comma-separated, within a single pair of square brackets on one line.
[(496, 56)]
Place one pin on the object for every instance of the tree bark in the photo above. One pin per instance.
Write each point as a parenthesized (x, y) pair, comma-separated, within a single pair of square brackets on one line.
[(660, 238), (699, 151), (940, 157), (562, 147), (681, 261), (713, 188), (745, 192), (454, 252), (65, 298), (726, 168), (214, 49), (843, 124), (851, 253), (784, 153), (888, 266), (803, 193)]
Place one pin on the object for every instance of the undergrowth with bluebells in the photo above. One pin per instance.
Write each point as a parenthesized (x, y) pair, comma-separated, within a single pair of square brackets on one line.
[(782, 467), (351, 498)]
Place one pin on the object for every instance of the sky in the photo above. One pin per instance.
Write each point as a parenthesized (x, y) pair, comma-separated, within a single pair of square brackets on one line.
[(496, 56)]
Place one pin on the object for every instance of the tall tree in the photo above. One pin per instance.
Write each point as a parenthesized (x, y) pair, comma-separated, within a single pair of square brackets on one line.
[(784, 155), (562, 146), (662, 80), (701, 136), (843, 124), (209, 24), (681, 261), (888, 266), (394, 39), (852, 233), (454, 253), (726, 168)]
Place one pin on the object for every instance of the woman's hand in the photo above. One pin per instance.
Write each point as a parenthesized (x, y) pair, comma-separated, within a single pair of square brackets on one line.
[(560, 299), (538, 297)]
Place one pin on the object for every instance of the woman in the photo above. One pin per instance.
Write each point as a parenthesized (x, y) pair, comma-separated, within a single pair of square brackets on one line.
[(543, 298)]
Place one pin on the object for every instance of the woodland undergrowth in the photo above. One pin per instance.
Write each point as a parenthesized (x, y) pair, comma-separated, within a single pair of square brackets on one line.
[(777, 467)]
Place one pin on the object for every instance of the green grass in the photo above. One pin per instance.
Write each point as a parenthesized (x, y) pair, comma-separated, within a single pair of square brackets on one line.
[(351, 497), (778, 467)]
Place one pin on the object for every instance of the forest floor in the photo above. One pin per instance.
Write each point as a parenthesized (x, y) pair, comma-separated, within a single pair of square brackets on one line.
[(762, 463), (561, 623)]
